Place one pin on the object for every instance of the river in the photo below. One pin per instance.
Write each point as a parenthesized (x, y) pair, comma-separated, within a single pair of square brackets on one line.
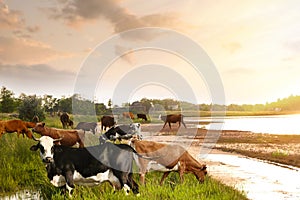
[(272, 124)]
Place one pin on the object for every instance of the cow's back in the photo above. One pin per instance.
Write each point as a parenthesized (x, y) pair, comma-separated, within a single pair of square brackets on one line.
[(69, 137), (168, 155)]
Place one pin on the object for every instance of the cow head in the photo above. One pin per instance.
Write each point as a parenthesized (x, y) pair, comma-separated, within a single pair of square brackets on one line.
[(39, 127), (200, 174), (136, 128), (45, 145)]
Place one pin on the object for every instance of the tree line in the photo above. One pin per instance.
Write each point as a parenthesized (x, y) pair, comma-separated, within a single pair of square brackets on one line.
[(28, 106)]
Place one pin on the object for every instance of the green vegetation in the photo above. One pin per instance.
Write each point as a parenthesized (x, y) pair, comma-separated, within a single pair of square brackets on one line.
[(22, 169), (28, 106)]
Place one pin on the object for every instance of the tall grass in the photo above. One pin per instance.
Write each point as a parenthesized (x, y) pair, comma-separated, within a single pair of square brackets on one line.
[(22, 169)]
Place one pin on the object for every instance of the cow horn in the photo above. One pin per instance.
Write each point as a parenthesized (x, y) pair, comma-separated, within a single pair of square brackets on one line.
[(58, 139), (35, 138)]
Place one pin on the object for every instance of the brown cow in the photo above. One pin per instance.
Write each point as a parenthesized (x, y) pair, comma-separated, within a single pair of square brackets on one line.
[(128, 115), (107, 121), (173, 118), (170, 157), (66, 121), (16, 125), (69, 137)]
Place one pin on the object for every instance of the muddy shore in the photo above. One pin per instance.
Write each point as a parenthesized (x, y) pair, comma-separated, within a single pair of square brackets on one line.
[(228, 157), (284, 149)]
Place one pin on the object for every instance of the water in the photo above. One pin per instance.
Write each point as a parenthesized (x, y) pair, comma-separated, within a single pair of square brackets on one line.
[(275, 124), (23, 195), (258, 179)]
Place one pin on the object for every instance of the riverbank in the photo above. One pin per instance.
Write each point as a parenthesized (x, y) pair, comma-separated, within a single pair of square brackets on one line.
[(228, 158), (284, 149)]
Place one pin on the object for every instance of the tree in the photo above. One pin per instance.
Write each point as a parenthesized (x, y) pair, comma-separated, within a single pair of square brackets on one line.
[(50, 103), (7, 101), (31, 106), (100, 109), (65, 105), (109, 103)]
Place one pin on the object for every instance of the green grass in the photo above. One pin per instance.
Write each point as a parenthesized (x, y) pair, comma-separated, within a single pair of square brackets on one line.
[(22, 169)]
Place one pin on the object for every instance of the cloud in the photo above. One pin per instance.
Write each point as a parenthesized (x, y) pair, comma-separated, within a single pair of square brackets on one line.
[(26, 51), (36, 79), (76, 12), (232, 47), (10, 19), (240, 72), (33, 29)]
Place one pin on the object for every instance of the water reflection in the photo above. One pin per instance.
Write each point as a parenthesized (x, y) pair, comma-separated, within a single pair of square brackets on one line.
[(276, 124), (260, 180), (25, 195)]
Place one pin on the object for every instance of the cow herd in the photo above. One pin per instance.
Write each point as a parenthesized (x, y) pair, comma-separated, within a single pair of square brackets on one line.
[(107, 161)]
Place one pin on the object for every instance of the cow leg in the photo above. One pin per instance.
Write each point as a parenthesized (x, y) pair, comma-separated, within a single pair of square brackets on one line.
[(81, 144), (164, 177), (170, 125), (70, 182), (19, 132), (28, 134), (132, 184), (165, 124), (181, 172), (183, 124)]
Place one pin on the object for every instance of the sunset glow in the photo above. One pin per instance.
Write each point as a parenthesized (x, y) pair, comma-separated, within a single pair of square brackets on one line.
[(255, 45)]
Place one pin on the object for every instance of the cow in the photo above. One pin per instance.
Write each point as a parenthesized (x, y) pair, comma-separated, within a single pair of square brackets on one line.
[(88, 166), (16, 125), (173, 118), (142, 116), (124, 131), (128, 115), (107, 121), (66, 121), (170, 158), (87, 126), (69, 137), (35, 119)]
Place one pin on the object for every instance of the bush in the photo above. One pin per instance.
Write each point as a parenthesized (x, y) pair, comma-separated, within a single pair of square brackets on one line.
[(29, 107)]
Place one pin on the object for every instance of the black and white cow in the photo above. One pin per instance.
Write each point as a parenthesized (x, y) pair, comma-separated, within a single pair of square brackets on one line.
[(124, 131), (88, 166)]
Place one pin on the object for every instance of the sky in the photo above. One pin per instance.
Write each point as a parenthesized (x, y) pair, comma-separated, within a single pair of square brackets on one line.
[(246, 52)]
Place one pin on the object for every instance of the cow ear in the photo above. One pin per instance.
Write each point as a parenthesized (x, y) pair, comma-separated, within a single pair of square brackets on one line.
[(34, 148)]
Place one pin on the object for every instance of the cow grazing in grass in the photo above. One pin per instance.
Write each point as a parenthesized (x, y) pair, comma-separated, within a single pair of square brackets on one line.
[(16, 125), (87, 126), (107, 121), (142, 116), (170, 158), (66, 121), (124, 131), (69, 137), (173, 118), (128, 115), (88, 166)]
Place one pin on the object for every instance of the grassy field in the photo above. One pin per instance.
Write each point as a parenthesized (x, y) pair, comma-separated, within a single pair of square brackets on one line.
[(22, 169)]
